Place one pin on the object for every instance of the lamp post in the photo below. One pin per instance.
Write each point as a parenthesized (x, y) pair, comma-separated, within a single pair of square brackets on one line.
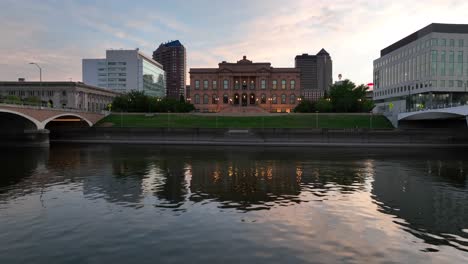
[(270, 99), (40, 70), (316, 119), (464, 95)]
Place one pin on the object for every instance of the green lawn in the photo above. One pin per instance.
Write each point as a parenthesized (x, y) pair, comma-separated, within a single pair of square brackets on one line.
[(283, 121)]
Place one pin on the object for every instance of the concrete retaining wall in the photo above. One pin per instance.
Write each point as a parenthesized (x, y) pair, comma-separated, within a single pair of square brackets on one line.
[(268, 137), (27, 138)]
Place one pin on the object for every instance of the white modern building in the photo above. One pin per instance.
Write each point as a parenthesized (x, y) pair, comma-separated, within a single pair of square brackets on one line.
[(124, 71), (425, 70)]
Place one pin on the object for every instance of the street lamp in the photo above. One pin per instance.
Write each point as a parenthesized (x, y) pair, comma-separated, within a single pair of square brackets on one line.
[(316, 119), (40, 70), (464, 95)]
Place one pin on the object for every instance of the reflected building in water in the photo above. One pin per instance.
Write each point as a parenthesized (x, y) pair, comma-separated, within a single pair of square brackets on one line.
[(430, 198)]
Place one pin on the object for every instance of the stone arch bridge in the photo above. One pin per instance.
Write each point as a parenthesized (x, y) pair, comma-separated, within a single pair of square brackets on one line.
[(21, 123), (41, 117)]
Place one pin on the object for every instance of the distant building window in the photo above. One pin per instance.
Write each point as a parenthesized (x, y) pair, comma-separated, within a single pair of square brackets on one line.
[(451, 83), (452, 43), (206, 99), (252, 85), (293, 84), (197, 84), (214, 85), (433, 42), (283, 84), (443, 42), (459, 84), (225, 99), (197, 99), (274, 85), (111, 63), (274, 99), (205, 85), (442, 84), (263, 84), (226, 84), (214, 99), (263, 99), (460, 43)]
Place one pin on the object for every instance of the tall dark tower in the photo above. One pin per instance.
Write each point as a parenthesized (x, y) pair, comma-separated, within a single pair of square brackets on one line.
[(316, 74), (173, 57)]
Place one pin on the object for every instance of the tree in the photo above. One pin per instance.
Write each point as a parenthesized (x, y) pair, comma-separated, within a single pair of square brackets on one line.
[(324, 105), (305, 106), (346, 97), (33, 100), (13, 99), (137, 101)]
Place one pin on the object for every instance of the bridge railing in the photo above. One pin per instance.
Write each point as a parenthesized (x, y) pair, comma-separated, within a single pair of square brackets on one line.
[(40, 107)]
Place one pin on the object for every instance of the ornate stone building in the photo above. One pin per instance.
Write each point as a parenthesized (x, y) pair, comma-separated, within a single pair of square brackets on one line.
[(244, 87)]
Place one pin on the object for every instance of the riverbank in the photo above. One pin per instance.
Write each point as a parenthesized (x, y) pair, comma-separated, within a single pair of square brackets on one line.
[(268, 120), (264, 137)]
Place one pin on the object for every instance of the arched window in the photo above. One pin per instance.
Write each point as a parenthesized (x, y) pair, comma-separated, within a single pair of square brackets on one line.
[(263, 99), (274, 99), (197, 99), (225, 99), (197, 84), (214, 99), (293, 84), (283, 99), (236, 85), (292, 99), (205, 99)]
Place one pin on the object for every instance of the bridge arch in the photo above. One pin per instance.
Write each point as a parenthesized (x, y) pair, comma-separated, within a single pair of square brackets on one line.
[(430, 115), (31, 123), (47, 122)]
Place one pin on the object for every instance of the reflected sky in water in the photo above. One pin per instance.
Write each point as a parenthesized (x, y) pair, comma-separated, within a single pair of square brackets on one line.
[(146, 204)]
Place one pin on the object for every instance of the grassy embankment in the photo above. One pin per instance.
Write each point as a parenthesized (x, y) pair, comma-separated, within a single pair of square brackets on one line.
[(283, 121)]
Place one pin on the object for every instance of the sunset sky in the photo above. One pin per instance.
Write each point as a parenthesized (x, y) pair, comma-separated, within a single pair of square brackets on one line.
[(58, 34)]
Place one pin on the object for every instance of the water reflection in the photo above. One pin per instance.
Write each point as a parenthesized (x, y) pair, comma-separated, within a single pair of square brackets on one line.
[(429, 196), (424, 192)]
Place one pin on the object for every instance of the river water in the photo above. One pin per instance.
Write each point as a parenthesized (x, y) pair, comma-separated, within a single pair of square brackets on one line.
[(150, 204)]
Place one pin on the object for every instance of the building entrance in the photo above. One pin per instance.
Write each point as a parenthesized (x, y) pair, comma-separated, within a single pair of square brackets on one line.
[(236, 99), (252, 99), (244, 99)]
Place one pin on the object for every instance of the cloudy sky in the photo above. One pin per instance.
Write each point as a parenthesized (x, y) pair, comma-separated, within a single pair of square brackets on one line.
[(58, 34)]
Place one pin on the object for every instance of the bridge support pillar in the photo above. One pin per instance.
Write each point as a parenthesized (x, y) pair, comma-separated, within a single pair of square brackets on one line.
[(29, 138)]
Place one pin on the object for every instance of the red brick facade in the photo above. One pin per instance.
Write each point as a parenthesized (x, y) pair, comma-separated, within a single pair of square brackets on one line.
[(245, 84)]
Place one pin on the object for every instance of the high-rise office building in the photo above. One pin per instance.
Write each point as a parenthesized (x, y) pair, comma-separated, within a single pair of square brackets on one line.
[(425, 70), (124, 71), (316, 74), (172, 56)]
